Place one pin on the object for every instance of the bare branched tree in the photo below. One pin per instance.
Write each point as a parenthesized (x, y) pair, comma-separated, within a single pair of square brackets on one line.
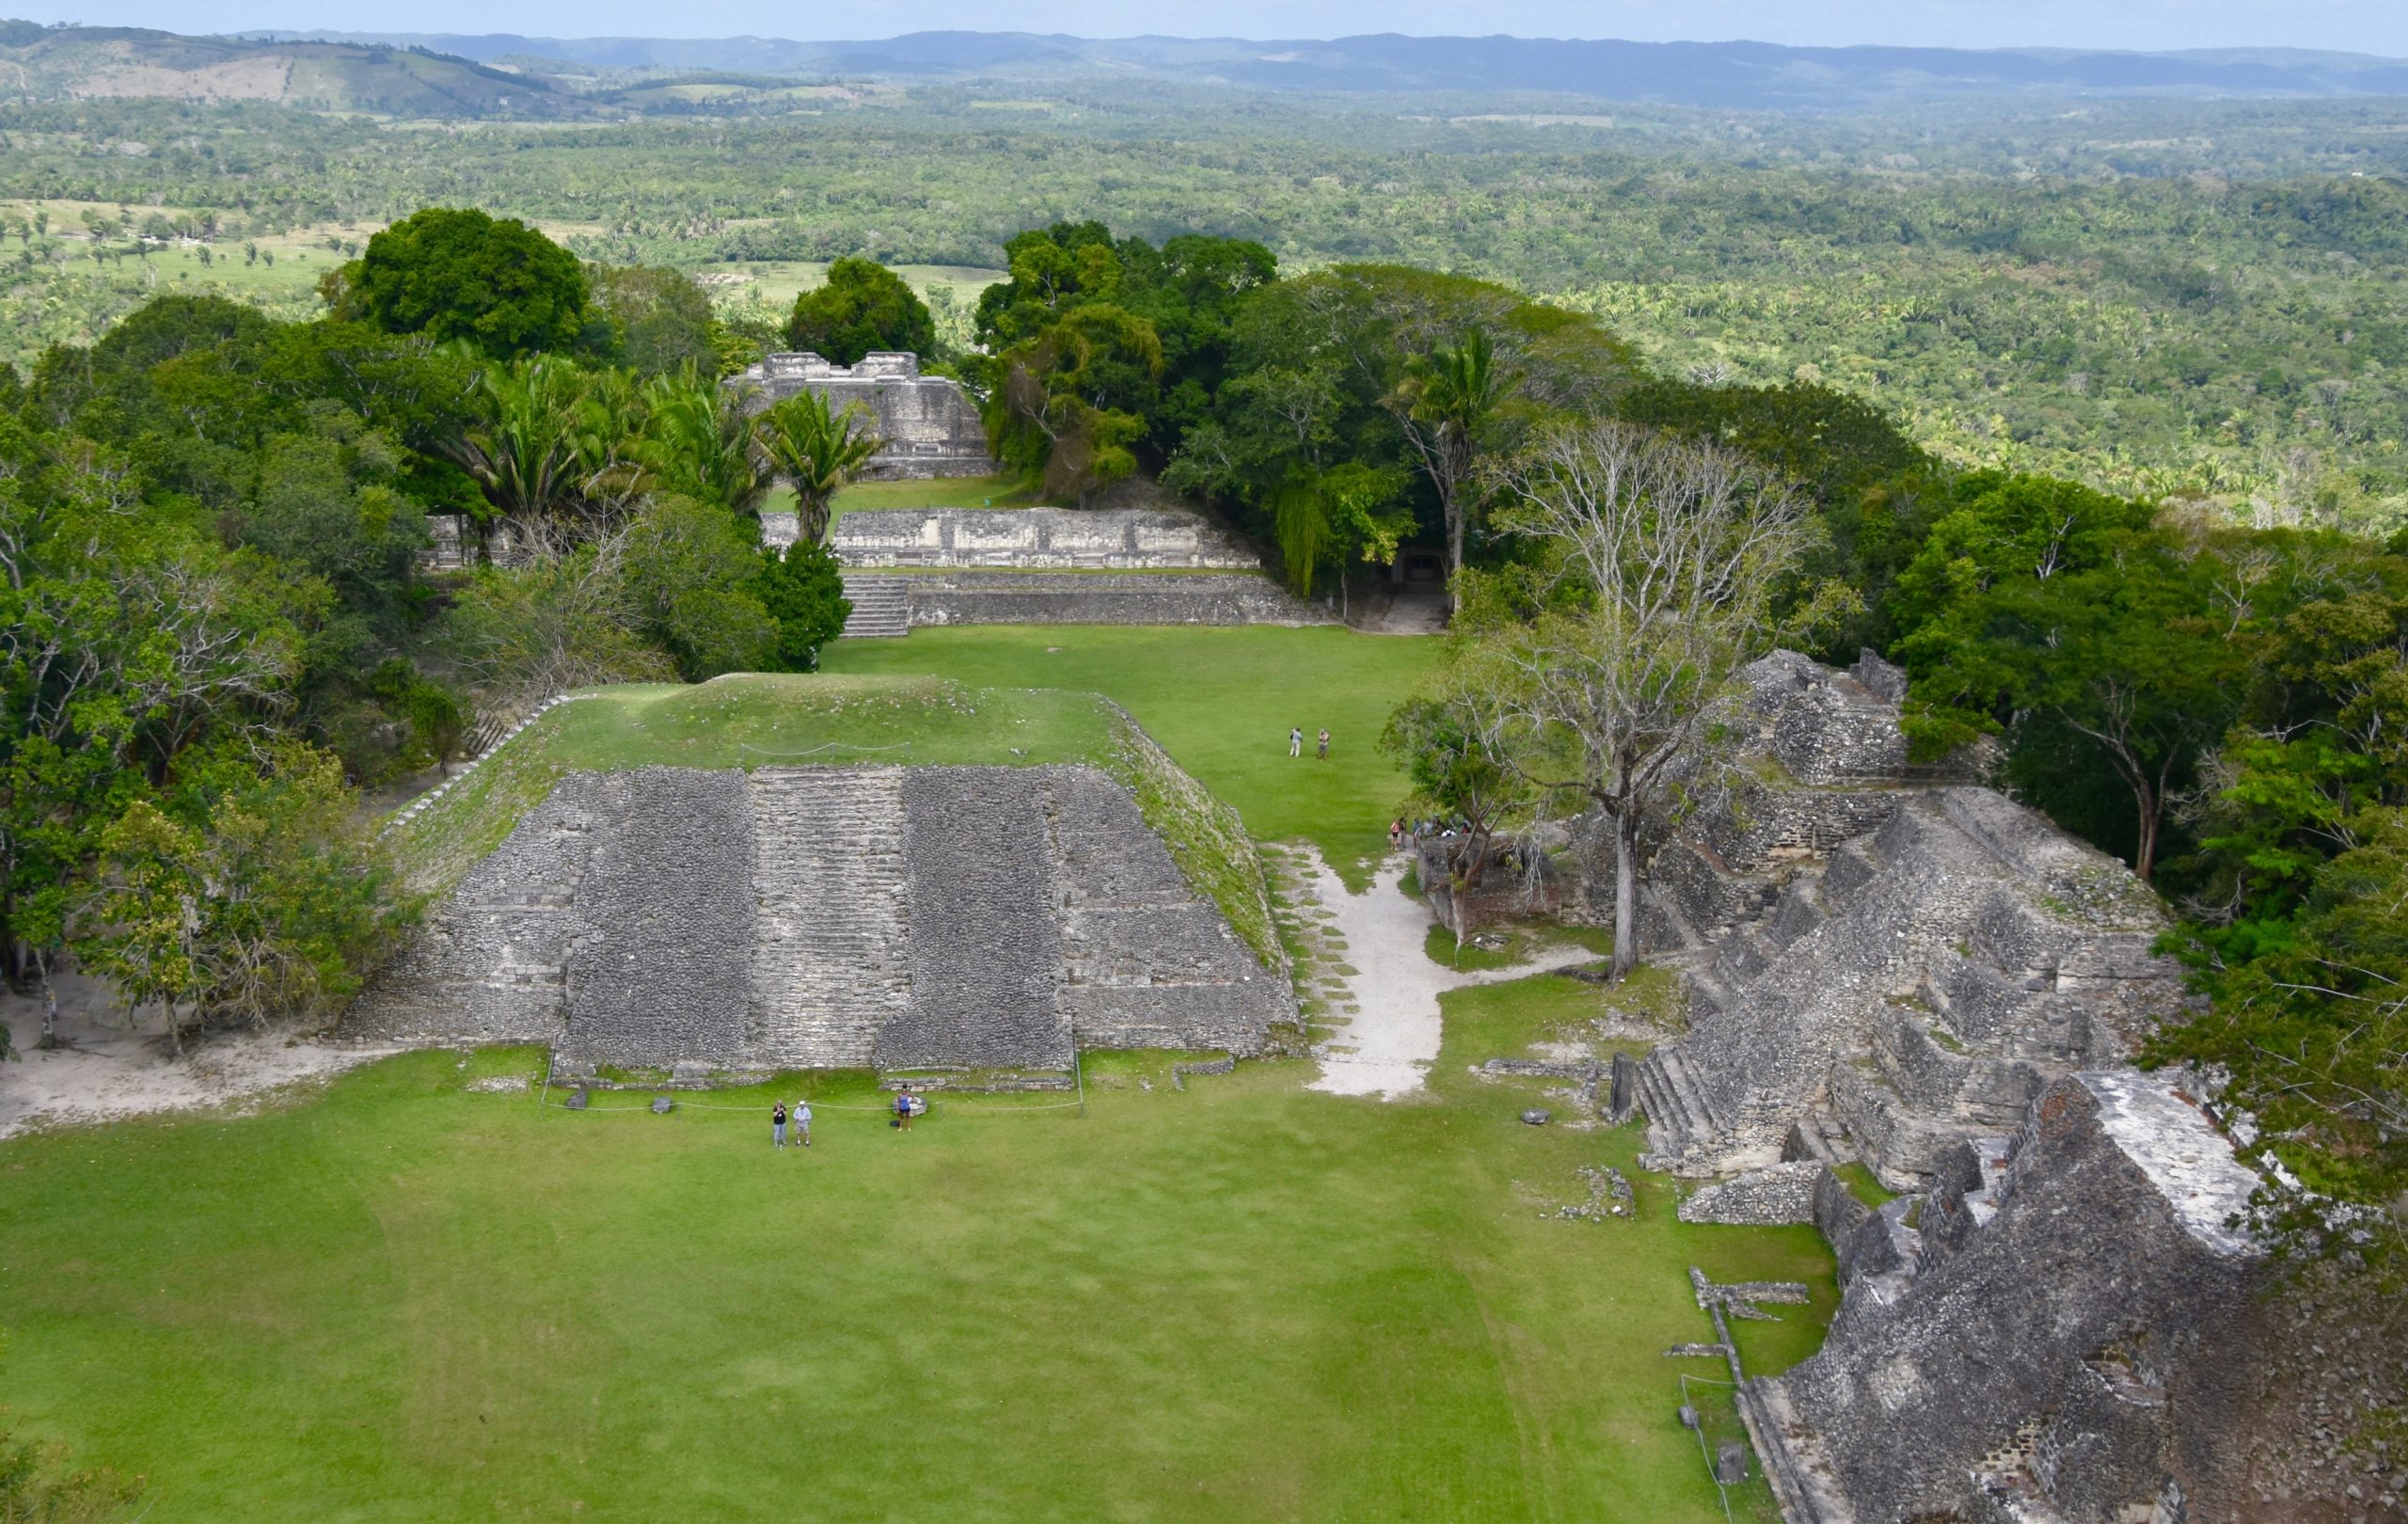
[(1661, 571)]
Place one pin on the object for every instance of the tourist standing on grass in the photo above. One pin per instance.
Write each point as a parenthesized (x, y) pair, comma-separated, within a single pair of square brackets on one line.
[(1295, 740), (778, 1124), (903, 1108), (1324, 743), (802, 1122)]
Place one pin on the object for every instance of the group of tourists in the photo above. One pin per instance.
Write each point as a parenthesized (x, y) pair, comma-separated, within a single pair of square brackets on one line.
[(1296, 741), (798, 1117), (1421, 831)]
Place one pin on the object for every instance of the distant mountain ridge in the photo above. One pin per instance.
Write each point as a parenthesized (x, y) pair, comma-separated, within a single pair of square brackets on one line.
[(1692, 73), (443, 74), (132, 62)]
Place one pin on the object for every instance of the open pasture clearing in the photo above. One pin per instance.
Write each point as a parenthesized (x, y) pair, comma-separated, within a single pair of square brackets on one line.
[(780, 282), (405, 1299)]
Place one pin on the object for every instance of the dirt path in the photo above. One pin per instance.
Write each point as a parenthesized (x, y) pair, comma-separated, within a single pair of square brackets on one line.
[(1385, 1014), (107, 1069)]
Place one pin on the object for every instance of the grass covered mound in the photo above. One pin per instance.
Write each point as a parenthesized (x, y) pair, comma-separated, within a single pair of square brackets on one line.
[(409, 1299)]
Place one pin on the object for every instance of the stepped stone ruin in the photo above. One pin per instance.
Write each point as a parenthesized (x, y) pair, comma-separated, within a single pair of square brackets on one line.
[(901, 918), (1882, 958), (1030, 539), (2069, 1332), (909, 567), (931, 425), (1887, 962)]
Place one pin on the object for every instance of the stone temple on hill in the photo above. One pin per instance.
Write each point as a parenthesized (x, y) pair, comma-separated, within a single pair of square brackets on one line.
[(990, 919), (931, 425)]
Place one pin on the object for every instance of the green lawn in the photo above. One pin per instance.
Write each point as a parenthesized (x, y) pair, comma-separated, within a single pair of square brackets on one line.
[(404, 1301), (1220, 701), (940, 492), (1522, 944), (943, 492)]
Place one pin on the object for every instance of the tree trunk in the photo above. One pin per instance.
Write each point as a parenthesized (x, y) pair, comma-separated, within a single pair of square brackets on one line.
[(1454, 549), (1626, 895), (1459, 901), (2145, 851)]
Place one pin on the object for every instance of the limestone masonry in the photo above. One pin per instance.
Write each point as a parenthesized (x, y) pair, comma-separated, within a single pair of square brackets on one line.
[(1878, 952), (2067, 1333), (921, 918), (931, 425), (1887, 962), (1028, 539), (909, 567)]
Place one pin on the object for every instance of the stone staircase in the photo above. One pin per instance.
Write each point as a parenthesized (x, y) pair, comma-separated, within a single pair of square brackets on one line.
[(830, 955), (881, 607), (1678, 1113)]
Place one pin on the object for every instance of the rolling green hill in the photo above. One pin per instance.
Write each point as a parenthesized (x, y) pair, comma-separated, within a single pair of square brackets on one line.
[(42, 63)]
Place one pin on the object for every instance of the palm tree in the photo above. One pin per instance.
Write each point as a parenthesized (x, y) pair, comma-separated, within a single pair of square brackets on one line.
[(816, 449), (524, 453), (1446, 396), (698, 440)]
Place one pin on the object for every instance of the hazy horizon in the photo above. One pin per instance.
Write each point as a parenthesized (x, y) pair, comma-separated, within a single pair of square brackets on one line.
[(2367, 26)]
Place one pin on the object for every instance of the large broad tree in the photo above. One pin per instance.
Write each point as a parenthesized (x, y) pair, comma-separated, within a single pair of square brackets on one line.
[(1656, 569), (862, 307), (653, 320), (2312, 1034), (249, 890), (2101, 646), (456, 273)]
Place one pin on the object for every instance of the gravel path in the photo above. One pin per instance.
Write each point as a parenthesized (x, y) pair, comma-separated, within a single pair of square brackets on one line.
[(1386, 1046)]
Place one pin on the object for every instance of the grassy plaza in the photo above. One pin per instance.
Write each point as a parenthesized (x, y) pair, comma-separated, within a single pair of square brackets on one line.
[(418, 1293)]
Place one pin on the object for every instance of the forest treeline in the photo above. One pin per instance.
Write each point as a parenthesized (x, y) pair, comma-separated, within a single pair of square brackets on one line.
[(2177, 299), (219, 630)]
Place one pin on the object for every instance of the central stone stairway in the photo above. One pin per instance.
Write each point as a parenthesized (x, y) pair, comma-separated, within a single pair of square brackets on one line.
[(830, 963), (882, 606)]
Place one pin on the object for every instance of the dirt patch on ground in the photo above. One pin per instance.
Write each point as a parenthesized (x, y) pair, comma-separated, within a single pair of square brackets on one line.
[(109, 1067)]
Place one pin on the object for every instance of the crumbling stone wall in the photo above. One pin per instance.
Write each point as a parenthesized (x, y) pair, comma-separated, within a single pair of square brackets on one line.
[(2067, 1333), (984, 598), (1028, 539), (985, 936), (1146, 963), (931, 425), (953, 917), (1882, 958), (660, 974)]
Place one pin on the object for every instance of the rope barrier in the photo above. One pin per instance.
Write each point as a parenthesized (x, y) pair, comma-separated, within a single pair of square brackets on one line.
[(1721, 1491), (826, 1105), (825, 746)]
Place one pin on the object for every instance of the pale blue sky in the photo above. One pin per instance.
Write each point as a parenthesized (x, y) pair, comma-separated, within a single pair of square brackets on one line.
[(2354, 25)]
